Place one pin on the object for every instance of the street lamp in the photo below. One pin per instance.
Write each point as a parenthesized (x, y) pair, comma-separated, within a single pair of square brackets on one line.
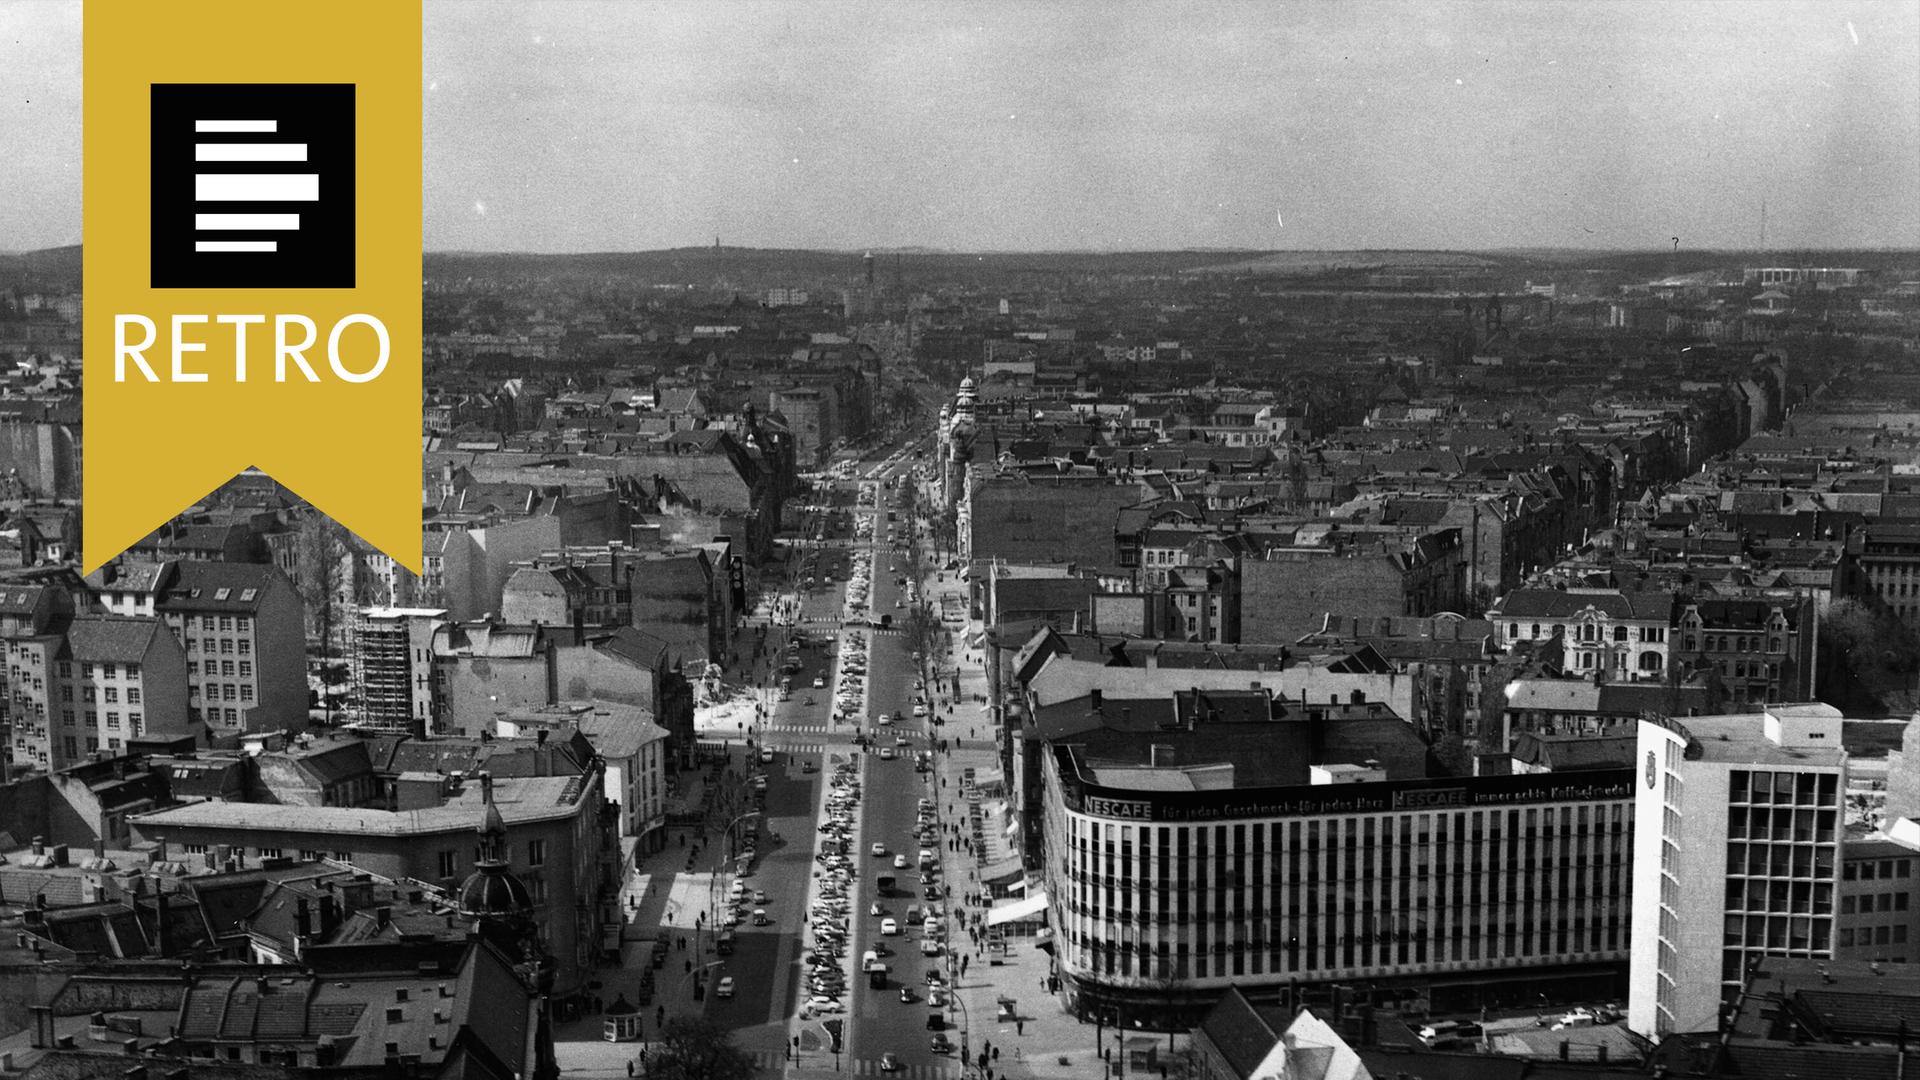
[(730, 827), (966, 1026), (700, 972)]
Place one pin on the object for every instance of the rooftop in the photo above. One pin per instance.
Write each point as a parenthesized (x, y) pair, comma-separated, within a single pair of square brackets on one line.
[(1742, 738), (520, 799)]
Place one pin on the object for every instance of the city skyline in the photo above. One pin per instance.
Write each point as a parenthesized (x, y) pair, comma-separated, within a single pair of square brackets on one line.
[(585, 127)]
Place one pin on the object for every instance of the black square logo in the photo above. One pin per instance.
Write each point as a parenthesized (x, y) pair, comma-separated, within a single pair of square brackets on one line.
[(253, 186)]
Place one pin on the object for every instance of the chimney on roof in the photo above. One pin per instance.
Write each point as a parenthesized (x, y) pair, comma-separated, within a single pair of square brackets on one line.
[(163, 926), (302, 919), (42, 1026)]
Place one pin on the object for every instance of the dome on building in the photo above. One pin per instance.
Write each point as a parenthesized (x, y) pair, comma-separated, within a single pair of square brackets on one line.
[(492, 891), (967, 385), (494, 895)]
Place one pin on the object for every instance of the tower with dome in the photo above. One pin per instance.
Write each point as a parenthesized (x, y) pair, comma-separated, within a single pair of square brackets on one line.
[(957, 430), (498, 907)]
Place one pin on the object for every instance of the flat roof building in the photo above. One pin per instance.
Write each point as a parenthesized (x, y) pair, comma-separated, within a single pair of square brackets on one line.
[(1182, 859), (1738, 856)]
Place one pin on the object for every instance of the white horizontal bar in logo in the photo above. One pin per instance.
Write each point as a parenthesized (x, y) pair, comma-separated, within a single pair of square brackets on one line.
[(246, 221), (274, 151), (256, 187), (236, 245), (227, 126)]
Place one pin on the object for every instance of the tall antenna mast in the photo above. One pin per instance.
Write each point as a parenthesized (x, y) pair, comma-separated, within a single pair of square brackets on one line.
[(1763, 224)]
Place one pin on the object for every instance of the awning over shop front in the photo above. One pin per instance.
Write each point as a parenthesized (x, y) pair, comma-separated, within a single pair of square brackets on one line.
[(1020, 910), (1002, 871)]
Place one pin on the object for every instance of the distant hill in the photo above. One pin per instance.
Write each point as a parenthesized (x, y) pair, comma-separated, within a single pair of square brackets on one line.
[(47, 263), (702, 264), (699, 265), (1662, 263), (1314, 262)]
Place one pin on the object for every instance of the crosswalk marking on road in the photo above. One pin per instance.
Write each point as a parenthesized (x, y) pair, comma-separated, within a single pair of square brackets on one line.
[(798, 748), (810, 728), (871, 1067)]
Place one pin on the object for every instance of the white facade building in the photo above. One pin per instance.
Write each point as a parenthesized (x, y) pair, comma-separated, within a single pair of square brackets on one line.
[(1736, 856)]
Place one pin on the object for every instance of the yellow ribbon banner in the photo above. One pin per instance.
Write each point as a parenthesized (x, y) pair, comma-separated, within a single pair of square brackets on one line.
[(252, 246)]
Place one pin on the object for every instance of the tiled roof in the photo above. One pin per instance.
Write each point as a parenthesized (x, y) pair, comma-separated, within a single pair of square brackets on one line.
[(636, 645), (200, 585), (111, 638), (1559, 604), (20, 599), (1239, 1032)]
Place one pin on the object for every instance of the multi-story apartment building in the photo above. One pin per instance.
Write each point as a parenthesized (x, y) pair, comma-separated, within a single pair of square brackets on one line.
[(130, 587), (28, 613), (1886, 563), (1203, 604), (1762, 649), (121, 678), (558, 833), (1607, 632), (1180, 861), (393, 667), (243, 626), (630, 747), (1879, 919), (1449, 655), (1290, 591), (1737, 856), (91, 683)]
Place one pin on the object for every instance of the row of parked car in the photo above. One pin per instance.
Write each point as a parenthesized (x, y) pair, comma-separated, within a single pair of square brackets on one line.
[(828, 919), (850, 693)]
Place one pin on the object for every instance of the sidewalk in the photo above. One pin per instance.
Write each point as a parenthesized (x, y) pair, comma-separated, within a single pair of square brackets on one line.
[(1036, 1038), (1002, 1001), (660, 900)]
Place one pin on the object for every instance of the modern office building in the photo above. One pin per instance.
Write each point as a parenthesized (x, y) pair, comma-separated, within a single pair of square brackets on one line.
[(1737, 856), (1184, 858)]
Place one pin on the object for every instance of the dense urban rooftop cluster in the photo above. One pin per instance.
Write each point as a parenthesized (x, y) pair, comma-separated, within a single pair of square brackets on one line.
[(1362, 638)]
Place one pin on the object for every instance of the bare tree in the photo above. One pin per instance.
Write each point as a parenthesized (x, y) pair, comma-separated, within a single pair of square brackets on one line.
[(323, 572)]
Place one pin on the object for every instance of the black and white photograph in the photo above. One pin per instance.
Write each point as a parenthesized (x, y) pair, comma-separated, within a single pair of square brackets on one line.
[(1006, 541)]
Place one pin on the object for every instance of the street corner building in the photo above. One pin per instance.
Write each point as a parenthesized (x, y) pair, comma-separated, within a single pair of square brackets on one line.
[(1186, 857)]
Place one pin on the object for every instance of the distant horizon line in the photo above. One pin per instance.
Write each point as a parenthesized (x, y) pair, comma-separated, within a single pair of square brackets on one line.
[(1205, 250), (858, 251)]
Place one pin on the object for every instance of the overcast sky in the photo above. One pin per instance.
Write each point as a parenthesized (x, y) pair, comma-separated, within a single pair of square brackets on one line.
[(577, 125)]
